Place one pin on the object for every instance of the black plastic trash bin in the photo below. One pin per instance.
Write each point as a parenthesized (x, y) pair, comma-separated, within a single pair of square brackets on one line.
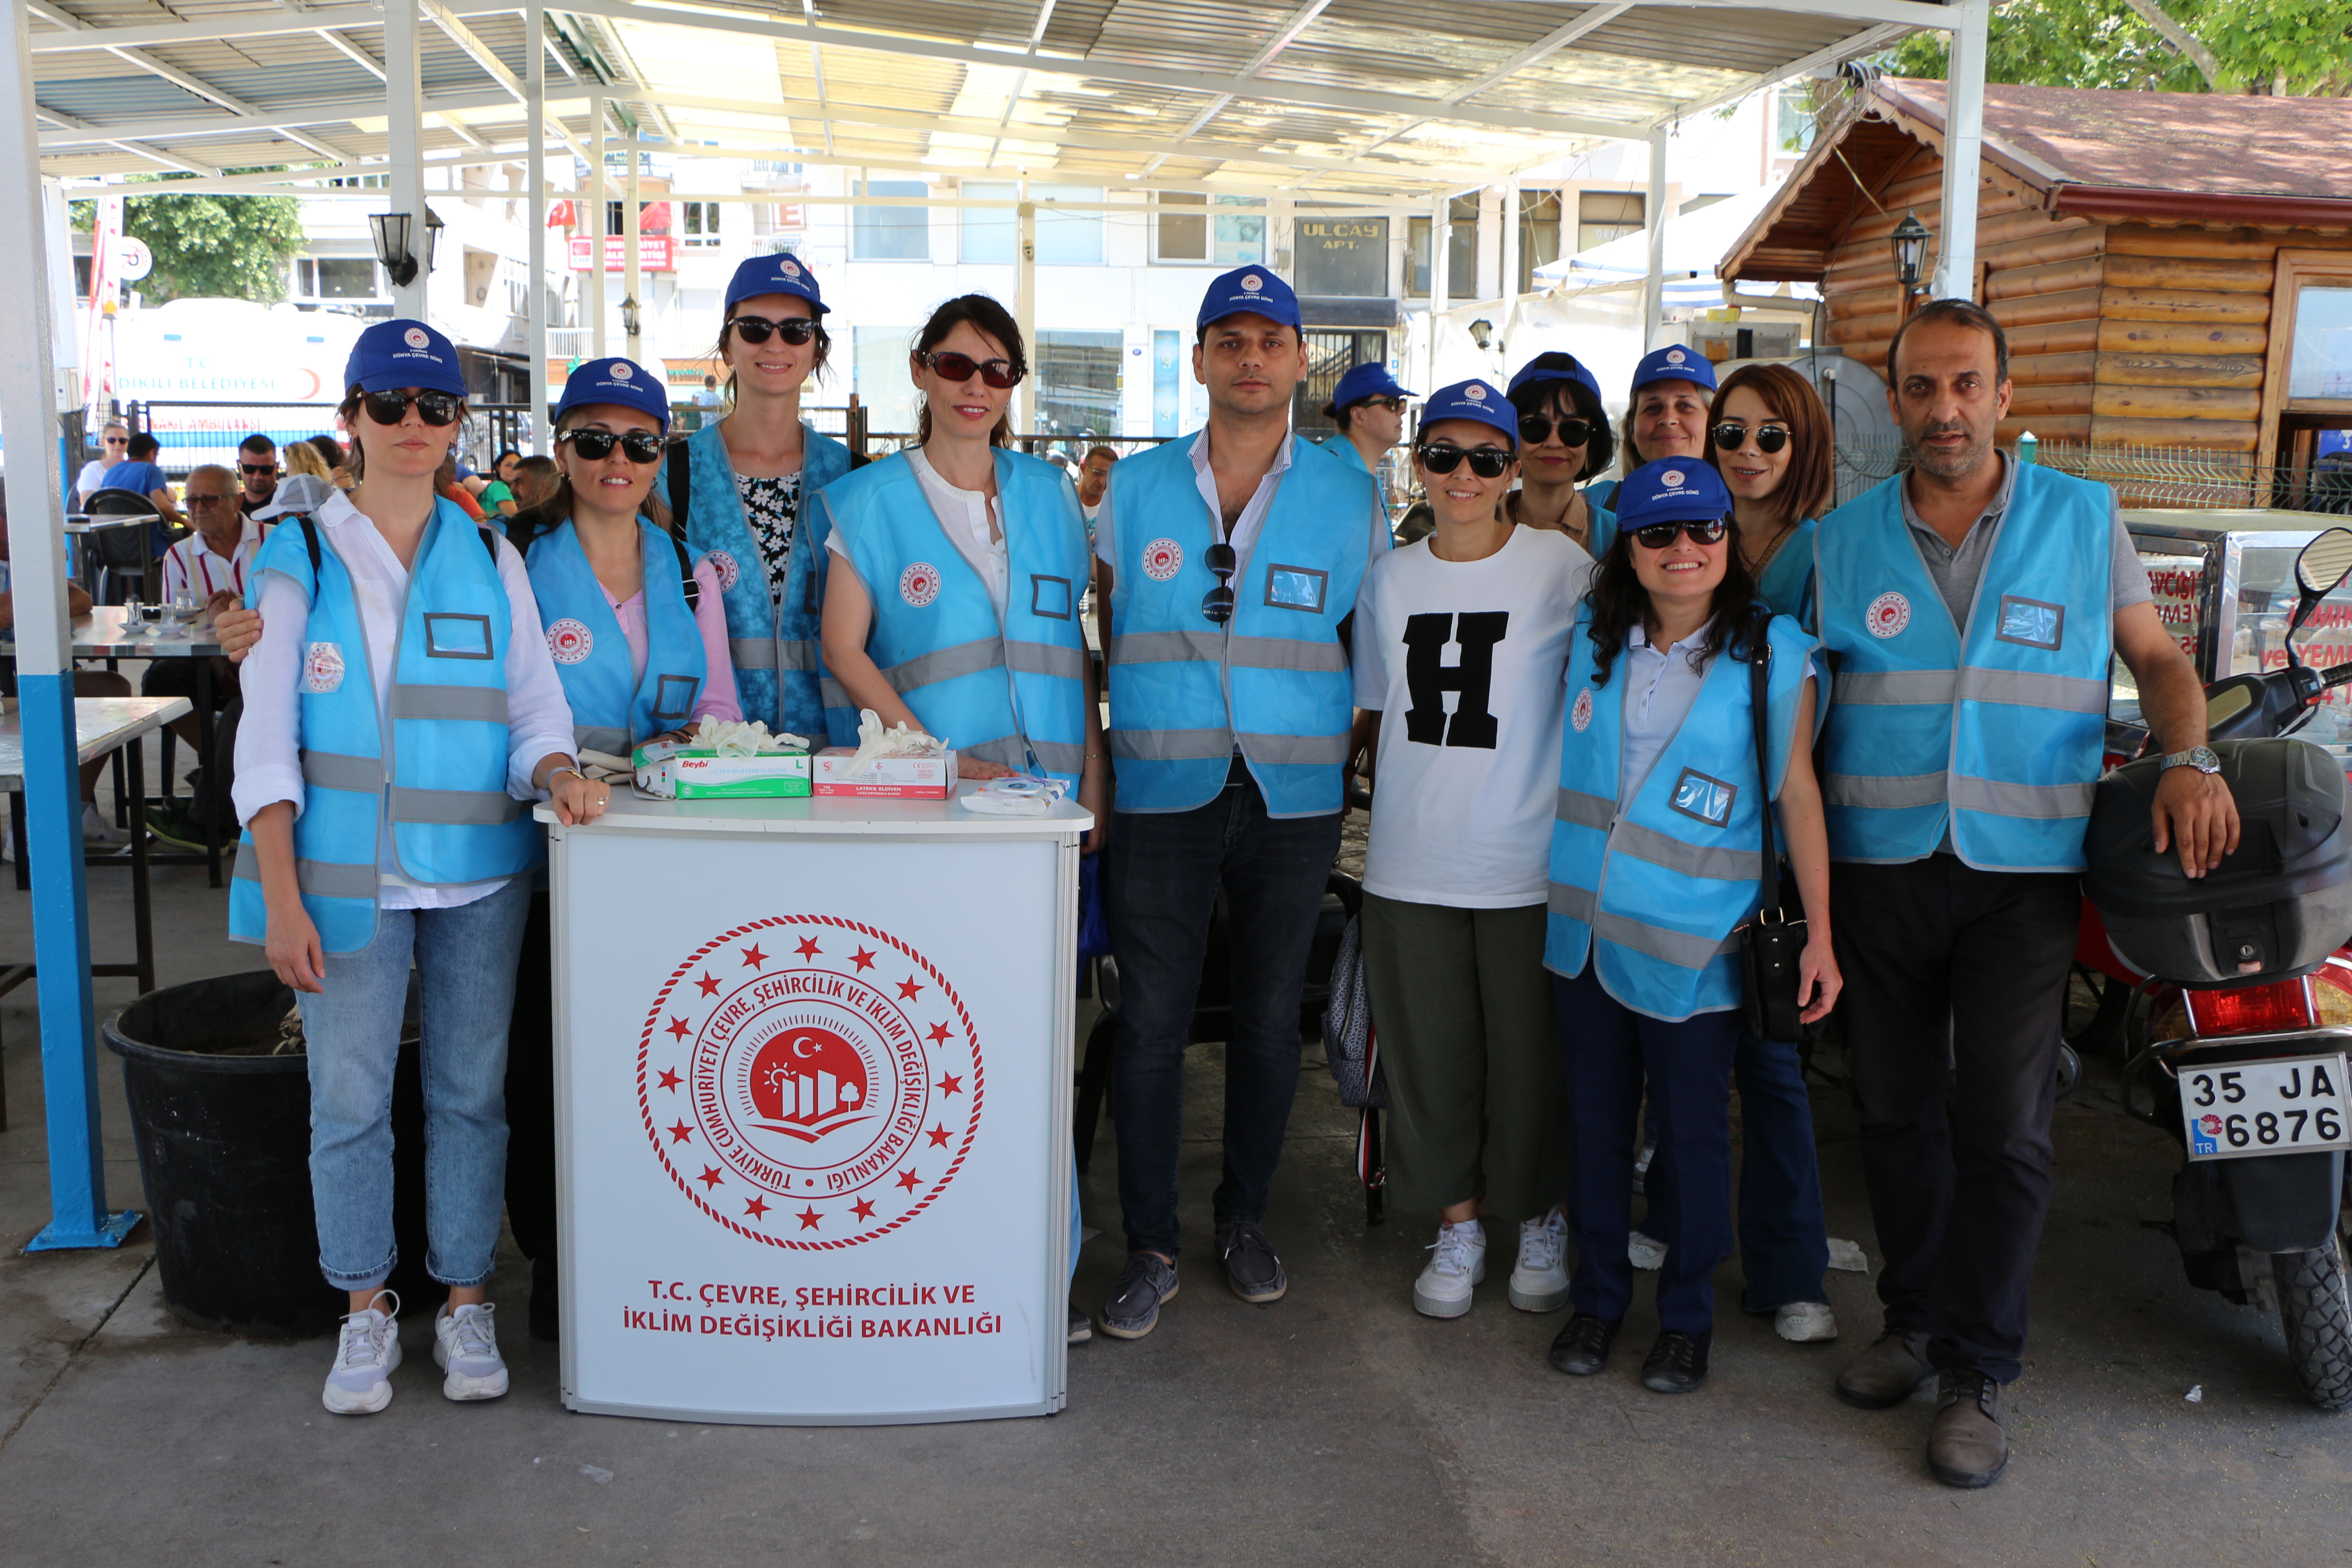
[(224, 1137)]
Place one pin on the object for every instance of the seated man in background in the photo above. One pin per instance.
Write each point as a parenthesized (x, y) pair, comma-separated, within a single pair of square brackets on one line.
[(211, 563)]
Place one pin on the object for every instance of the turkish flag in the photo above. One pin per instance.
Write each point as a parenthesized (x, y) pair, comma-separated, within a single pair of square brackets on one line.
[(559, 215)]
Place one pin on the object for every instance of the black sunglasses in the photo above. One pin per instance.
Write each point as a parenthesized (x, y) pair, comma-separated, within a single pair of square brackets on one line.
[(1535, 430), (795, 330), (436, 408), (1731, 435), (118, 440), (1217, 604), (595, 445), (953, 366), (1487, 462), (257, 468), (1661, 535), (1393, 404)]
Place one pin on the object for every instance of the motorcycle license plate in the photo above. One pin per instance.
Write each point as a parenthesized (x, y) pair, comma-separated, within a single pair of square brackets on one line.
[(2289, 1106)]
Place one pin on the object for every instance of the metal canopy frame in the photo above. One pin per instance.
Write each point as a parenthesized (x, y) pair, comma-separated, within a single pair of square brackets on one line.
[(1386, 104)]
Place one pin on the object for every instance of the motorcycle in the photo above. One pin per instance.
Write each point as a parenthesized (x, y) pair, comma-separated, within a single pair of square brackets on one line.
[(2244, 978)]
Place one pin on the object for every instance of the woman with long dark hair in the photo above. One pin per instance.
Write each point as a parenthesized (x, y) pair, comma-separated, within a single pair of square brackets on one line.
[(1656, 863), (1768, 435)]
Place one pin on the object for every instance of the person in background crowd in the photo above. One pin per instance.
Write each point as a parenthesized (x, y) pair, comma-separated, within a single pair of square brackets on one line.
[(1957, 830), (391, 599), (1666, 412), (1453, 874), (210, 566), (708, 396), (338, 461), (1094, 483), (451, 489), (742, 485), (257, 468), (95, 828), (1656, 861), (497, 495), (302, 458), (1563, 440), (1368, 406), (114, 442), (137, 473), (534, 483), (1232, 558)]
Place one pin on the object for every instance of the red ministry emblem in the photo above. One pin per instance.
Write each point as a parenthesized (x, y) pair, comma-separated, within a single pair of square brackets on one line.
[(808, 1081)]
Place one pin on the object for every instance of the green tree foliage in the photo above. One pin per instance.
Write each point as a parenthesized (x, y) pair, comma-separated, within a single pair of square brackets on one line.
[(223, 248), (2298, 48)]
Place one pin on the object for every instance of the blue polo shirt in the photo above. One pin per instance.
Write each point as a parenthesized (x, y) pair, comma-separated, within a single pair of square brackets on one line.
[(144, 479)]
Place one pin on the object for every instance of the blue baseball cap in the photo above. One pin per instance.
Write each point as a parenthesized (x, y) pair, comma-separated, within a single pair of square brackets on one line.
[(1672, 489), (1252, 289), (1674, 362), (616, 380), (1554, 366), (399, 353), (1476, 400), (782, 273), (1369, 380)]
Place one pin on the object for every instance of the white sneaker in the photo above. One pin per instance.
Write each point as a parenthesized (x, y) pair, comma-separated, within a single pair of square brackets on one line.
[(1444, 1289), (359, 1383), (96, 829), (1540, 1283), (466, 1346), (1646, 1251), (1805, 1322)]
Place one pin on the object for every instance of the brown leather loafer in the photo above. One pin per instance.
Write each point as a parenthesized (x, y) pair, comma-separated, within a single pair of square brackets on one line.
[(1888, 1374), (1966, 1445)]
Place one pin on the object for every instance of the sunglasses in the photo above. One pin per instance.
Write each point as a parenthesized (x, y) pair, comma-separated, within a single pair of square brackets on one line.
[(1487, 462), (795, 330), (208, 500), (1217, 604), (1661, 535), (1731, 435), (953, 366), (118, 440), (595, 445), (257, 468), (1535, 430), (1393, 404), (436, 408)]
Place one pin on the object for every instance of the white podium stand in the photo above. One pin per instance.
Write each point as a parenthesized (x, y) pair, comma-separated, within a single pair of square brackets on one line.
[(812, 1109)]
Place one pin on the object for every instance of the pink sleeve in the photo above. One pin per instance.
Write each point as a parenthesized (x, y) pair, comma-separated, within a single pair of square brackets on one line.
[(718, 700)]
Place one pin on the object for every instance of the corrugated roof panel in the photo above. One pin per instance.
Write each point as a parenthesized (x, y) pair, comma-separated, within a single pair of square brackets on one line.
[(964, 21), (113, 97)]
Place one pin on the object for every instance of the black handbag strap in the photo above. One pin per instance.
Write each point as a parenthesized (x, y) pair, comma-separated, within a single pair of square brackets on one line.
[(1759, 664)]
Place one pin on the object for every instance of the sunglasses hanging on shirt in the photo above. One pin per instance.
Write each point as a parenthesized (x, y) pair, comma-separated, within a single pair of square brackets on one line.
[(436, 408), (1731, 435), (1661, 535), (1487, 462), (953, 366), (595, 445), (795, 330), (1217, 604)]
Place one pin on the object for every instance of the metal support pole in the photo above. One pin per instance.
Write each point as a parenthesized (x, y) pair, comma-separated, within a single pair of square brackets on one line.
[(1024, 299), (1654, 211), (1440, 254), (403, 117), (52, 799), (597, 225), (535, 85), (1510, 279), (635, 280), (1955, 228)]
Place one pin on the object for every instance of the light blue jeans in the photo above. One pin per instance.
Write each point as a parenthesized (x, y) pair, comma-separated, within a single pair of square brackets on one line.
[(464, 958)]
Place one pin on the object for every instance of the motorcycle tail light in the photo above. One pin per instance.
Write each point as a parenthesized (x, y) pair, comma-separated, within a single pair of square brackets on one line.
[(2275, 1008)]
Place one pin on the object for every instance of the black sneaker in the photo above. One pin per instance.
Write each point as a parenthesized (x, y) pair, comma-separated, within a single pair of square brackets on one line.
[(1082, 1328), (546, 1303), (1677, 1363), (1250, 1267), (1133, 1307), (172, 824), (1582, 1347)]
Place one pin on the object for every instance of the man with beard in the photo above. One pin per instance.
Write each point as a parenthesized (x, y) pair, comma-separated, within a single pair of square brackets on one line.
[(1970, 607)]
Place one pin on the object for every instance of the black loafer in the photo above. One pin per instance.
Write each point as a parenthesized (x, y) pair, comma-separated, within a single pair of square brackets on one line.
[(1250, 1267), (1677, 1363), (1582, 1348)]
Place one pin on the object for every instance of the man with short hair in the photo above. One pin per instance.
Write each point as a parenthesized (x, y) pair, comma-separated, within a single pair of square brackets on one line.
[(1970, 607), (1093, 481), (256, 466), (1369, 407), (115, 442), (1232, 561), (137, 473), (212, 563)]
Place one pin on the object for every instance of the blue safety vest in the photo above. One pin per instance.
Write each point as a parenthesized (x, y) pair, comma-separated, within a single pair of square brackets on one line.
[(980, 685), (1185, 692), (1665, 883), (1786, 581), (452, 819), (2000, 728), (1345, 450), (771, 638), (613, 707)]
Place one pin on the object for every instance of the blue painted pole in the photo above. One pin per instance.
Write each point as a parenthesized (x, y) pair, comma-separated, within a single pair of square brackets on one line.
[(34, 479)]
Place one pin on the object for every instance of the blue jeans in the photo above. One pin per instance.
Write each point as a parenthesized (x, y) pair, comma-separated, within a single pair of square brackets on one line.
[(1163, 870), (1610, 1049), (1784, 1247), (464, 959)]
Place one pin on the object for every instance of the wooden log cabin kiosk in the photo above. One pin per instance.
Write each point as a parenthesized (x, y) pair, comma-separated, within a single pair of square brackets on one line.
[(2172, 269)]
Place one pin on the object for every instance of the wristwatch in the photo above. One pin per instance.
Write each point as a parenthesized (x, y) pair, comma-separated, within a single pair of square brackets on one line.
[(2203, 757)]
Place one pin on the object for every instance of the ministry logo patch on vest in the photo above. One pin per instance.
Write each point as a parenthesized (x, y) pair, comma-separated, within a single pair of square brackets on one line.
[(1888, 614), (1162, 559), (724, 564), (920, 584), (569, 642), (323, 668), (1581, 714)]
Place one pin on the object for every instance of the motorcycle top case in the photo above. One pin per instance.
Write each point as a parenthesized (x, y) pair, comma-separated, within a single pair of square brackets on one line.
[(2275, 909)]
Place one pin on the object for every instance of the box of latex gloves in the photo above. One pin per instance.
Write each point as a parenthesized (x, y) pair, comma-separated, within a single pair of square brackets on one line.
[(897, 763), (725, 762)]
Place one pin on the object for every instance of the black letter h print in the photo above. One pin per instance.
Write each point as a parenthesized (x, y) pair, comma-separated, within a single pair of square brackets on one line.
[(1425, 637)]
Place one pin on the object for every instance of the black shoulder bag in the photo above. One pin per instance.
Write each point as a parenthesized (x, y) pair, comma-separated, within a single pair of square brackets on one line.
[(1771, 943)]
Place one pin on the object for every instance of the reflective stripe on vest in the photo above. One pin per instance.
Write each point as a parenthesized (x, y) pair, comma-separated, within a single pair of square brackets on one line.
[(1993, 732), (611, 700), (1653, 895), (1274, 680)]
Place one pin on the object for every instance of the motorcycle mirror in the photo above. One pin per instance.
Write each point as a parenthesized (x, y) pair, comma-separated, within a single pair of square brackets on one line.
[(2325, 562)]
